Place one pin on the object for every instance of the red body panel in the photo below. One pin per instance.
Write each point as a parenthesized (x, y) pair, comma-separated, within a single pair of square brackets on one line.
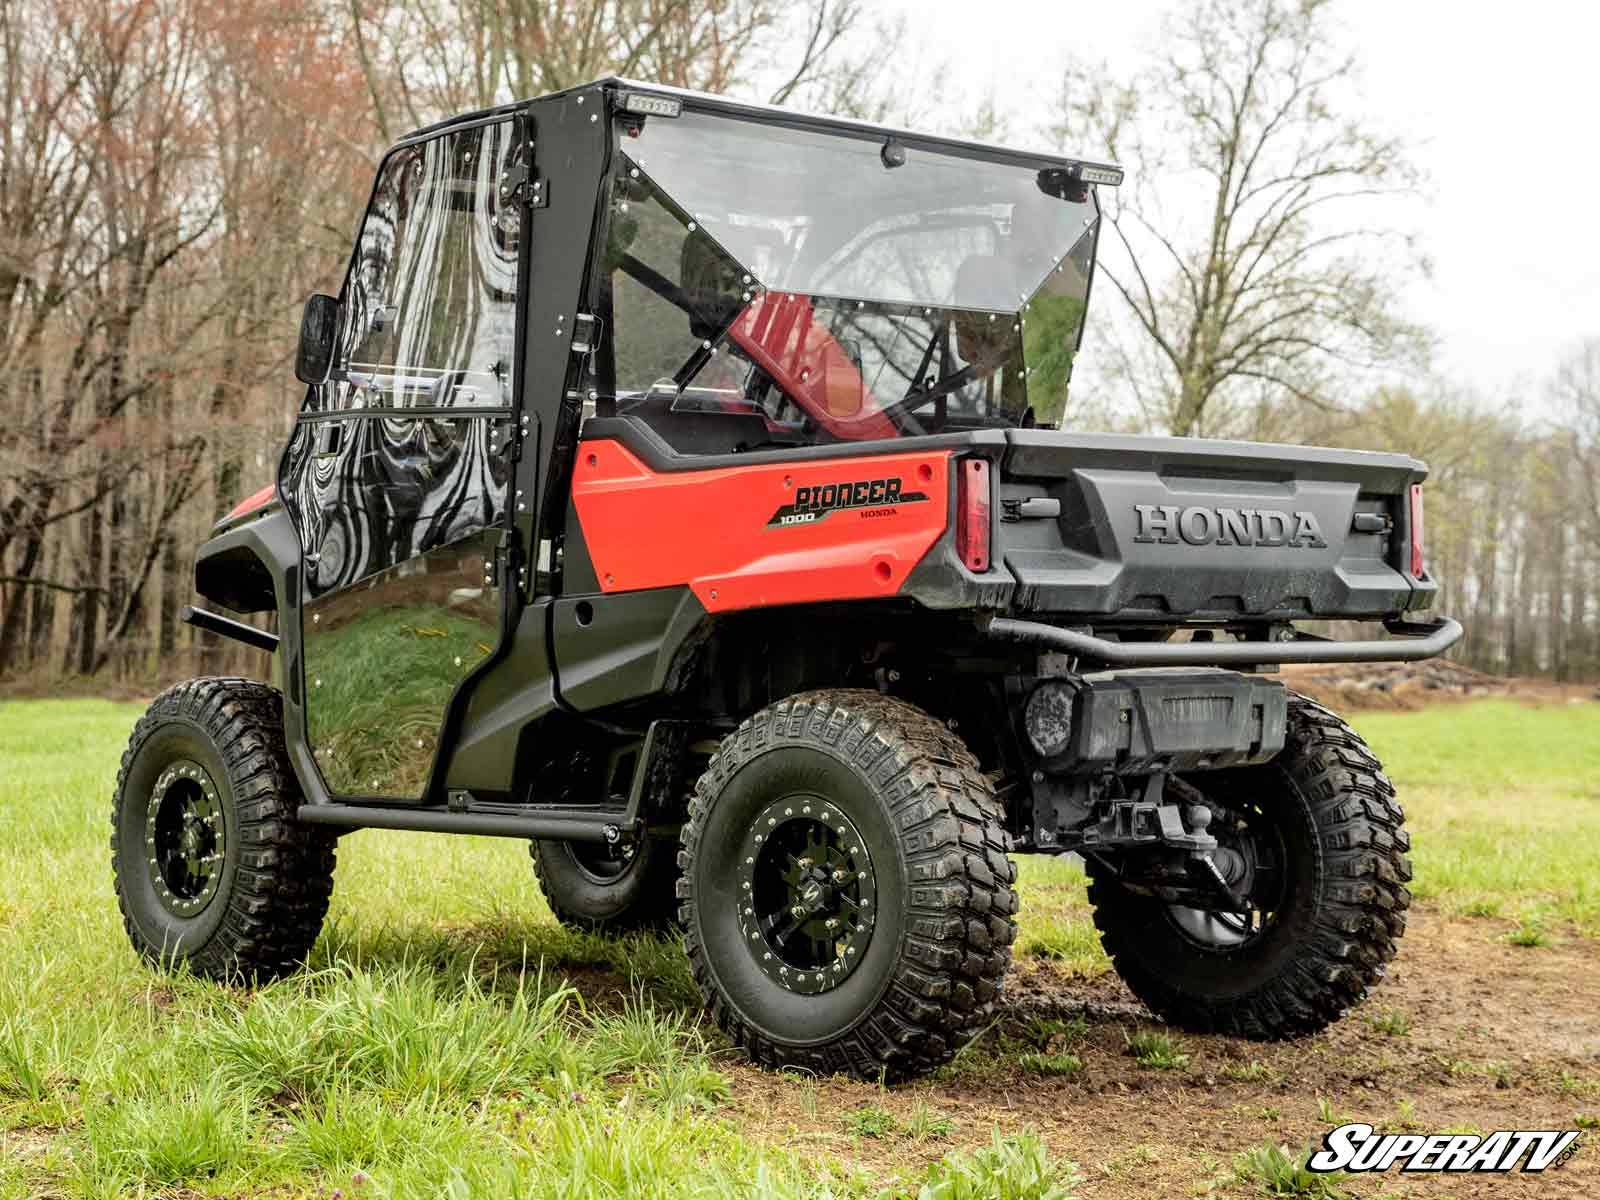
[(747, 537), (252, 502)]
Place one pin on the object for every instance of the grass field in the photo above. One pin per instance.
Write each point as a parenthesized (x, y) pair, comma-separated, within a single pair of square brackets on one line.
[(452, 1040)]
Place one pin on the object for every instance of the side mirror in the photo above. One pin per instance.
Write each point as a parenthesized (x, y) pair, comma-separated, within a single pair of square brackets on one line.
[(319, 327)]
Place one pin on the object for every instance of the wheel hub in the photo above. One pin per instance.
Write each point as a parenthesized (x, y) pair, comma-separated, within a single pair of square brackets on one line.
[(184, 838), (808, 894), (1247, 856)]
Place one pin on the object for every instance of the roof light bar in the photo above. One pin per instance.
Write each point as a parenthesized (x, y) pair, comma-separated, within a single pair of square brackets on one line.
[(1083, 173), (651, 106)]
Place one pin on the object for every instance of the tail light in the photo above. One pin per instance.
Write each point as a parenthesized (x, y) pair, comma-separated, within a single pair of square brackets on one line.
[(1417, 571), (972, 514)]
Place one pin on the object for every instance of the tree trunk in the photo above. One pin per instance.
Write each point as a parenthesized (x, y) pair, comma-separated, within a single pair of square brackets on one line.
[(88, 630)]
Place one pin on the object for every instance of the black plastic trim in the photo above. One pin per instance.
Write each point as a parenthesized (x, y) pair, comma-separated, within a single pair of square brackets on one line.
[(650, 448), (1037, 451)]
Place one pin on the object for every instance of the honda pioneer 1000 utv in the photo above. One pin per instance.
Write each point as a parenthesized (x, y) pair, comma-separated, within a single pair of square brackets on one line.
[(676, 488)]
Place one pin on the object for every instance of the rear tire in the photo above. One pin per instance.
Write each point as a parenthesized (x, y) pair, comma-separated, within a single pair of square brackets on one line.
[(1331, 813), (211, 869), (847, 897), (617, 892)]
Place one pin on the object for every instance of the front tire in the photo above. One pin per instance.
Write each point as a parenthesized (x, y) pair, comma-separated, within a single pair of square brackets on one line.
[(847, 897), (1321, 831), (211, 869), (605, 889)]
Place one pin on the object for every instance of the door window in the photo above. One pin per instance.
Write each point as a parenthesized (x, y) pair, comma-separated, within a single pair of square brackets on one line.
[(429, 307)]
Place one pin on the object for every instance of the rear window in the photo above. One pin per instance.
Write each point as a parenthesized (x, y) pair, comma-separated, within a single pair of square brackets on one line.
[(827, 297)]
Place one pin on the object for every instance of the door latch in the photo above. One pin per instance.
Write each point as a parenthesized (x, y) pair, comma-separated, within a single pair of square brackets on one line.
[(329, 438), (585, 333)]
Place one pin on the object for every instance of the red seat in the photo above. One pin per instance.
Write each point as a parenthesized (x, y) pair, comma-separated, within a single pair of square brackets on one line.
[(782, 335)]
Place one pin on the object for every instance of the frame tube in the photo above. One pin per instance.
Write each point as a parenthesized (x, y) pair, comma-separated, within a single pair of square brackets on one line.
[(1419, 640)]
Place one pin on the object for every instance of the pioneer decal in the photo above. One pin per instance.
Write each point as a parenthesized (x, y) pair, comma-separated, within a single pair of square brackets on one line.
[(1169, 525), (875, 497)]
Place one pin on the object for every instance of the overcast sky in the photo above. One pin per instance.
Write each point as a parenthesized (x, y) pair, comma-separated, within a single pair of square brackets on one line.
[(1498, 101)]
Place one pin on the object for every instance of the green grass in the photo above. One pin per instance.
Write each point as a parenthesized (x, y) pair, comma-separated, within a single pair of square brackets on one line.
[(1389, 1022), (1529, 933), (1060, 1063), (1007, 1169), (1057, 925), (1503, 803), (1254, 1071), (435, 1047), (1278, 1171), (1161, 1051), (377, 685), (870, 1121)]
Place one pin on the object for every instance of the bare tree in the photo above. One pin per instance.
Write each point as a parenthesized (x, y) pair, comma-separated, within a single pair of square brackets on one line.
[(1239, 245), (1577, 395), (424, 59)]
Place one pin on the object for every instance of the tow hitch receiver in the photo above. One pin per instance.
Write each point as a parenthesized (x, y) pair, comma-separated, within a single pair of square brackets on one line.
[(1109, 748)]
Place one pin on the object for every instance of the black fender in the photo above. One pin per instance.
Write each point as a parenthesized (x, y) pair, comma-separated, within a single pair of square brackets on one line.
[(253, 565)]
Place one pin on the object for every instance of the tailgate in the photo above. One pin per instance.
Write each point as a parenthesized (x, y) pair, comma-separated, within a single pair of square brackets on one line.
[(1155, 527)]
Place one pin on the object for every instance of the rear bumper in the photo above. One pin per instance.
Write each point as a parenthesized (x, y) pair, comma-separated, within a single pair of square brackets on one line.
[(1414, 640)]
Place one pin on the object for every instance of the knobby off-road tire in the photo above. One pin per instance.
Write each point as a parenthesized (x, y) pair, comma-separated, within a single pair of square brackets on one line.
[(209, 758), (588, 889), (1340, 915), (911, 824)]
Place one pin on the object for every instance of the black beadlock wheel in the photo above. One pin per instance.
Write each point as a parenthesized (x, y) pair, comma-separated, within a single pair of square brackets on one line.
[(846, 894), (608, 889), (211, 870), (1314, 840)]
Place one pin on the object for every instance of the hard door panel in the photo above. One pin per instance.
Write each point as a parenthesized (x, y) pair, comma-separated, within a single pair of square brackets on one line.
[(398, 476)]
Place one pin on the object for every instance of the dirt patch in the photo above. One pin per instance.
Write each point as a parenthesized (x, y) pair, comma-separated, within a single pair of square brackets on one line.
[(1495, 1037), (1411, 686)]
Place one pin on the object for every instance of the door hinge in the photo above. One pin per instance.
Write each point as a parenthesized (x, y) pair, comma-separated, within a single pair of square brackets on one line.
[(520, 184), (506, 564), (504, 440)]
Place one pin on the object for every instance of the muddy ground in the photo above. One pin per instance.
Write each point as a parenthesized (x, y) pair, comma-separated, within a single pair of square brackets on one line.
[(1496, 1036), (1406, 687), (1499, 1037)]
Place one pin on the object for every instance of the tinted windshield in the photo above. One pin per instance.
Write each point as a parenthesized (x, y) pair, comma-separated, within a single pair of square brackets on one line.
[(773, 286)]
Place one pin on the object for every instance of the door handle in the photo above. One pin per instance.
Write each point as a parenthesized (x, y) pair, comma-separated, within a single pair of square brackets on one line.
[(329, 438)]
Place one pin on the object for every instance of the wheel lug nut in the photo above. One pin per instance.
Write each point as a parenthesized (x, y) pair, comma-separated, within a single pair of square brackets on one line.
[(798, 910), (833, 922), (804, 863), (839, 876)]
